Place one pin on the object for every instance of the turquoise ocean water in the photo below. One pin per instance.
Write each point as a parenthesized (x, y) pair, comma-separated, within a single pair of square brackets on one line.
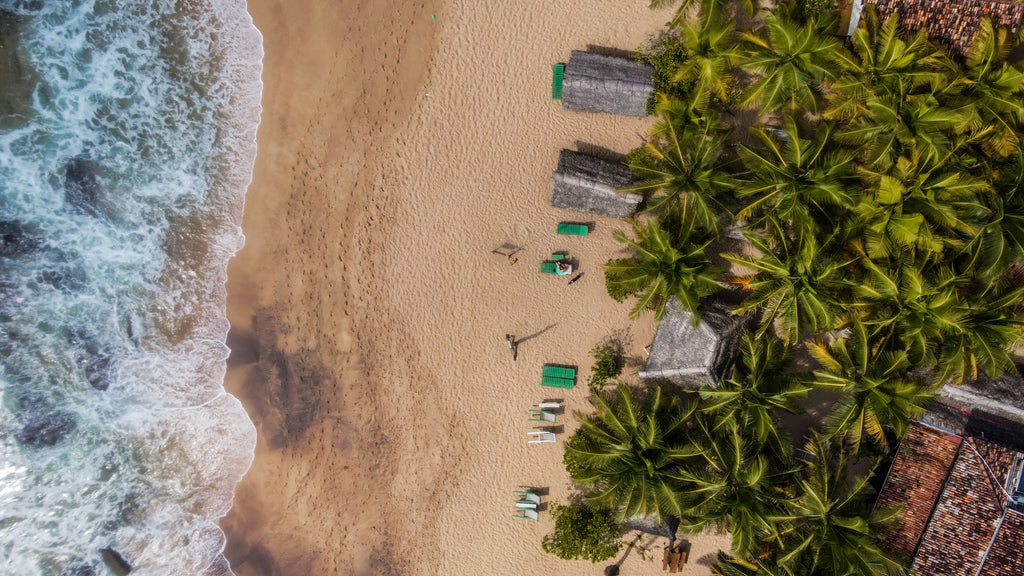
[(127, 140)]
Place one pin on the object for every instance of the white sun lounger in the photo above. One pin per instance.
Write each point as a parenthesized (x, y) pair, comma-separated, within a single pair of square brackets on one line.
[(527, 505), (542, 437), (531, 514), (549, 405)]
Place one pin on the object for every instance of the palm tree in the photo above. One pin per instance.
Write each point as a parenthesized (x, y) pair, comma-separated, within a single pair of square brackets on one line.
[(712, 51), (800, 286), (828, 528), (907, 306), (627, 453), (877, 392), (1000, 242), (927, 207), (882, 60), (990, 91), (732, 484), (755, 393), (664, 265), (791, 59), (991, 324), (757, 565), (900, 123), (680, 169), (750, 6), (802, 183)]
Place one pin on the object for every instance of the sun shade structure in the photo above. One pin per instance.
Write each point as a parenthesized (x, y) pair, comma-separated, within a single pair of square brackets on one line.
[(691, 355), (585, 183), (609, 84)]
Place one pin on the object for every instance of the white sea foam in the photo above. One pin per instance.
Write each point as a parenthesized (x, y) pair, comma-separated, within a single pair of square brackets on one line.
[(115, 430)]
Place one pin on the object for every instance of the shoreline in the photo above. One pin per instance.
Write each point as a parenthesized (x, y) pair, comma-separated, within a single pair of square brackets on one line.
[(368, 313), (290, 332)]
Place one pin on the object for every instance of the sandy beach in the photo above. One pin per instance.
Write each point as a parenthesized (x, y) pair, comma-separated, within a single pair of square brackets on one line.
[(401, 143)]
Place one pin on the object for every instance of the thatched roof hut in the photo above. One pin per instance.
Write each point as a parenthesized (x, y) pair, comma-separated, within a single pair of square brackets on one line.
[(695, 356), (588, 184), (599, 83)]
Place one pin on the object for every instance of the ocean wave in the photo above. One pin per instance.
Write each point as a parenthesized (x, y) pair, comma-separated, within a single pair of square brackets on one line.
[(124, 159)]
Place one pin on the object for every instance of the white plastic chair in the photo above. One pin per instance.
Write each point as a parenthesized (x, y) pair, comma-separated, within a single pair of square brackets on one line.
[(528, 497), (541, 416), (543, 437)]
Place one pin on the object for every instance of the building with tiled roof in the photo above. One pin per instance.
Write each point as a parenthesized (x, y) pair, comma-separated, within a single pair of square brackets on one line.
[(962, 499), (915, 480), (952, 23)]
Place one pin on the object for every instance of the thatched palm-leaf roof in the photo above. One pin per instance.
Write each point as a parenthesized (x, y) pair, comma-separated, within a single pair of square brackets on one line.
[(600, 83), (695, 356), (588, 184)]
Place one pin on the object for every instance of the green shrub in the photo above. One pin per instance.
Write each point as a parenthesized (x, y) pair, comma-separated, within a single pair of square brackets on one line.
[(607, 365), (817, 9), (665, 54), (582, 532), (573, 467)]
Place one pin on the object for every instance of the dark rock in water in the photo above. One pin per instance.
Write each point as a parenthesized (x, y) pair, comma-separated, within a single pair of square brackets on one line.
[(79, 569), (97, 370), (64, 278), (42, 424), (115, 561), (81, 185), (14, 240), (93, 358)]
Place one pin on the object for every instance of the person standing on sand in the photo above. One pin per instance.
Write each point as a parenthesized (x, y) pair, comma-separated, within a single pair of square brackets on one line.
[(511, 339)]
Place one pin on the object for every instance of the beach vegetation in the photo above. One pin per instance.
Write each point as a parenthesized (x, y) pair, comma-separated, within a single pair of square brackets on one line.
[(878, 394), (682, 172), (626, 455), (666, 262), (817, 9), (583, 532), (665, 54), (877, 186), (607, 365)]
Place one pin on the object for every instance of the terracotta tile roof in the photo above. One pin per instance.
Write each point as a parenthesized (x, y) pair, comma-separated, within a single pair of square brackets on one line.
[(964, 520), (961, 517), (951, 22), (915, 480), (1006, 557)]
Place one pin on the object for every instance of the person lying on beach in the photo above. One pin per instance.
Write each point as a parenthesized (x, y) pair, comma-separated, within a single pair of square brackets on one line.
[(563, 268)]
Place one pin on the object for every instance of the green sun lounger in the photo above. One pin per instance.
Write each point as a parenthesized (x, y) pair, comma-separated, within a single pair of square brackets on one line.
[(555, 382), (548, 268), (558, 372), (557, 77), (557, 256), (568, 229)]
